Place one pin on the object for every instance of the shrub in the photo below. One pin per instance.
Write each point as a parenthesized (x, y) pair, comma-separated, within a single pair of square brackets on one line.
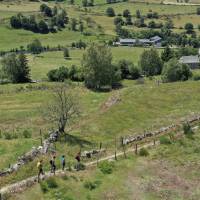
[(165, 140), (110, 12), (27, 134), (43, 186), (7, 136), (91, 185), (187, 130), (196, 77), (51, 183), (106, 167), (58, 75), (175, 71), (143, 152)]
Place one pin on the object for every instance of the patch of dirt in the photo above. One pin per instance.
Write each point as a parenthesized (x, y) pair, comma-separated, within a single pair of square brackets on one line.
[(114, 99)]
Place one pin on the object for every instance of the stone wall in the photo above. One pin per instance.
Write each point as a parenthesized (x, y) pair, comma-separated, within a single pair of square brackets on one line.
[(32, 154)]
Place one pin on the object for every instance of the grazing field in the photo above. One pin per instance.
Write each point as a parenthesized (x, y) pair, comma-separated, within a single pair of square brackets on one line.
[(145, 8), (105, 116), (41, 64), (176, 177), (141, 107)]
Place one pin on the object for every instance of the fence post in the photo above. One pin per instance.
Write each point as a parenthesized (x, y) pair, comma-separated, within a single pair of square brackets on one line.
[(41, 137), (123, 147), (136, 148), (115, 148), (98, 154)]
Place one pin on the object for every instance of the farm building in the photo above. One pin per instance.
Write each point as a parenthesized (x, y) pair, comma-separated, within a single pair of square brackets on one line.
[(192, 61), (155, 41)]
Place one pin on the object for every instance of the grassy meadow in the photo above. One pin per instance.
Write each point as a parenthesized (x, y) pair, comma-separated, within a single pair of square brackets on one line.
[(41, 64), (13, 38), (175, 178), (140, 107)]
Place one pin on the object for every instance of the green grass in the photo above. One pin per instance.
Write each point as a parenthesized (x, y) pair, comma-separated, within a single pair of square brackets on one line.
[(176, 177), (41, 64), (11, 149), (144, 8)]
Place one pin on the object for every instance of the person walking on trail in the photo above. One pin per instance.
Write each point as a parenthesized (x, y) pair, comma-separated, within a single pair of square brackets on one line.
[(40, 169), (63, 162), (78, 158), (53, 165)]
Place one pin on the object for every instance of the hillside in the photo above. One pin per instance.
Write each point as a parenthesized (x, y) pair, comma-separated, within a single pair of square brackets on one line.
[(111, 91)]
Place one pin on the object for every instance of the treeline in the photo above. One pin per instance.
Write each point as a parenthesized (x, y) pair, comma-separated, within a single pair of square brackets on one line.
[(187, 37), (36, 47), (168, 37), (98, 71), (57, 19)]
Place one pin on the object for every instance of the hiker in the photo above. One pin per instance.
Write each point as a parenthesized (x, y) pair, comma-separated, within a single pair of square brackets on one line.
[(53, 165), (63, 162), (40, 169), (78, 158)]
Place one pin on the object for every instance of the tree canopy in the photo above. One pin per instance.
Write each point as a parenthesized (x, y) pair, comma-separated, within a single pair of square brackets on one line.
[(16, 68), (175, 71), (150, 62), (98, 68)]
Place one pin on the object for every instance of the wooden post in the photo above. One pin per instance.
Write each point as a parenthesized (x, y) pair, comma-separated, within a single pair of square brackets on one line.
[(136, 148), (41, 137), (115, 148), (100, 145), (154, 142), (123, 147)]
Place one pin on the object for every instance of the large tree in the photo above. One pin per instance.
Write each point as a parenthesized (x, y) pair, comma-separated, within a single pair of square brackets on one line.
[(16, 68), (167, 54), (35, 47), (63, 107), (151, 63), (175, 71), (98, 68)]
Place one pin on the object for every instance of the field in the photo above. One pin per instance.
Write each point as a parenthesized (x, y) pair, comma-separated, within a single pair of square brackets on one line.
[(13, 38), (176, 177), (40, 65), (138, 106)]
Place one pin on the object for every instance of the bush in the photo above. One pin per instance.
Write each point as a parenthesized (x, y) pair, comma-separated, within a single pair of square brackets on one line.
[(196, 77), (143, 152), (58, 75), (110, 12), (51, 183), (27, 134), (7, 136), (187, 129), (106, 167), (43, 186), (35, 47), (165, 140), (91, 185), (175, 71)]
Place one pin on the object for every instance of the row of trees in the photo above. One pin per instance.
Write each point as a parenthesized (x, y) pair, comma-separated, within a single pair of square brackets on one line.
[(168, 37), (57, 20), (98, 71)]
